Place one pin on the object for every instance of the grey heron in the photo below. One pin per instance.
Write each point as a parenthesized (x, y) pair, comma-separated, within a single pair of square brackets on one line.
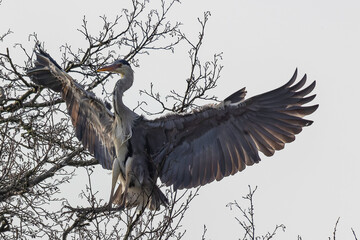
[(183, 150)]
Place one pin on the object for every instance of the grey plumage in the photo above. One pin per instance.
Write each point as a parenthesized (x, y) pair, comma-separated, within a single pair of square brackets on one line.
[(183, 150), (92, 120)]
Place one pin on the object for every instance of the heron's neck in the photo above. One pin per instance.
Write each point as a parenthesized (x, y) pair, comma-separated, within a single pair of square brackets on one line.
[(124, 117), (121, 86)]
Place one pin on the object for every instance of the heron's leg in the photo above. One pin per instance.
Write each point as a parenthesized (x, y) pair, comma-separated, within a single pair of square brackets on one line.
[(115, 176), (125, 192), (128, 173), (127, 180)]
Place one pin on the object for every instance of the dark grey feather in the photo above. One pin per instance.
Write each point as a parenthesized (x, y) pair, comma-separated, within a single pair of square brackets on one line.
[(213, 143), (92, 120)]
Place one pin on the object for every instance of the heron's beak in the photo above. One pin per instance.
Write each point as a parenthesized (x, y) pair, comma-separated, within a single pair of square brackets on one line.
[(110, 68)]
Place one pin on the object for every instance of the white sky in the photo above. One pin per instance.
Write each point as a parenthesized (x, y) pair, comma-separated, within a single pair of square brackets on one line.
[(315, 179)]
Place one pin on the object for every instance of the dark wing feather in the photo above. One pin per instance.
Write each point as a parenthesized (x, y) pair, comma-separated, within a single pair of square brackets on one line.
[(215, 142), (93, 122)]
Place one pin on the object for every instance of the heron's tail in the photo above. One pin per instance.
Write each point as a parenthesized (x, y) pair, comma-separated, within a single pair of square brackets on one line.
[(151, 197), (157, 198), (45, 72)]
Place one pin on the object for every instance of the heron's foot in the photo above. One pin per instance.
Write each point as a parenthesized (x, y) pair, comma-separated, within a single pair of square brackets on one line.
[(109, 206), (123, 200)]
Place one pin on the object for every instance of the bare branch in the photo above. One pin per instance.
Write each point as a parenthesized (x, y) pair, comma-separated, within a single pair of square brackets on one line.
[(335, 228), (202, 79), (248, 214), (352, 230)]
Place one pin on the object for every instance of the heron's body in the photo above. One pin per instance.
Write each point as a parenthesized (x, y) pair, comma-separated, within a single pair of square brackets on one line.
[(186, 150), (128, 168)]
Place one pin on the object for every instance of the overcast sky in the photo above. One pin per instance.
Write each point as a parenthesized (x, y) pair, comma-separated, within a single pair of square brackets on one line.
[(315, 179)]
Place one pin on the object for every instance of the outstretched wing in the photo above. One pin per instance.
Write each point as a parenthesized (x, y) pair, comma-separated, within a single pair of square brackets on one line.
[(93, 122), (195, 149)]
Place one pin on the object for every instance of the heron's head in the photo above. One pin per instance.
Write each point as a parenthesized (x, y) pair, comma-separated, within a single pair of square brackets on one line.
[(119, 66)]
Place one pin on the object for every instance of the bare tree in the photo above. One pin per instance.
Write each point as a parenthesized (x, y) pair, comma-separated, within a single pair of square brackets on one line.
[(247, 219), (40, 153), (335, 230)]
